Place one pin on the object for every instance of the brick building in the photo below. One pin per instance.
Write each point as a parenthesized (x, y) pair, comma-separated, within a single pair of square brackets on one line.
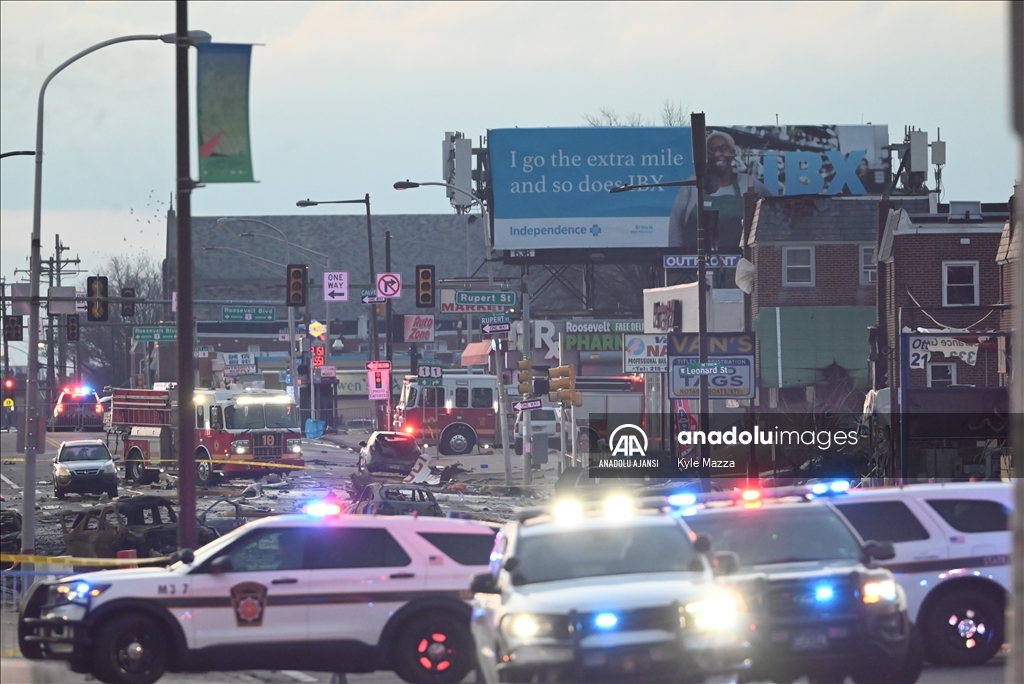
[(938, 347)]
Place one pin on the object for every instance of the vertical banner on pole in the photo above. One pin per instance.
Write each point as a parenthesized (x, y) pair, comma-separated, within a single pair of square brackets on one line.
[(222, 96)]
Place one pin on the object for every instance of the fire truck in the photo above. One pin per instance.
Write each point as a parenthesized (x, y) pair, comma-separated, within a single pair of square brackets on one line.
[(463, 411), (458, 415), (236, 432)]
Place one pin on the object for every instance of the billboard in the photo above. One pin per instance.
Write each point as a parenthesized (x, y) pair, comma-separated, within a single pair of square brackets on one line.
[(551, 184)]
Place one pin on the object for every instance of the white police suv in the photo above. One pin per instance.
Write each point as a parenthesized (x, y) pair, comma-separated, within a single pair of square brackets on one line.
[(321, 591), (619, 591), (953, 551)]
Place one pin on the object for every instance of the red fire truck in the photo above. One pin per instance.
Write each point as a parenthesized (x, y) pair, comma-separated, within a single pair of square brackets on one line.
[(236, 432), (463, 412)]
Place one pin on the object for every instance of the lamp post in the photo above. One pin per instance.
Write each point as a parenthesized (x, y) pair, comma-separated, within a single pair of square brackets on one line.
[(699, 165), (499, 357), (292, 370), (35, 261), (369, 240)]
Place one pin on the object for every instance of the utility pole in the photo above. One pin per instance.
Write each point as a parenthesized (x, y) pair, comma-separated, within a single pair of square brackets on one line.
[(187, 523), (527, 344), (389, 333), (3, 313), (700, 162)]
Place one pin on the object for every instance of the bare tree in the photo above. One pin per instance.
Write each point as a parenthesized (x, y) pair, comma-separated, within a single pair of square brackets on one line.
[(672, 114), (106, 348)]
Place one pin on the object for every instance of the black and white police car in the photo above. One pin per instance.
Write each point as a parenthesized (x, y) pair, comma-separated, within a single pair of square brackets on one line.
[(953, 548), (613, 590), (318, 591)]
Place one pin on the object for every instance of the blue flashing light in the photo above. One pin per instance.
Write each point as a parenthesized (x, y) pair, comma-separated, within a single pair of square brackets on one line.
[(819, 488), (81, 588), (839, 486), (824, 593), (682, 499), (605, 620)]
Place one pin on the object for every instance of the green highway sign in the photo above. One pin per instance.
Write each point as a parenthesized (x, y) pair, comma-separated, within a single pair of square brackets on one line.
[(495, 319), (154, 333), (486, 298), (248, 314), (429, 374)]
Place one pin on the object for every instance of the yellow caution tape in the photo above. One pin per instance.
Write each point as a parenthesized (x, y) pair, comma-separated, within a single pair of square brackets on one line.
[(68, 560)]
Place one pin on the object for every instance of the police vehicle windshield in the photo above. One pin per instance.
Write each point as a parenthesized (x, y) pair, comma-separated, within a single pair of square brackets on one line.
[(766, 536), (625, 550)]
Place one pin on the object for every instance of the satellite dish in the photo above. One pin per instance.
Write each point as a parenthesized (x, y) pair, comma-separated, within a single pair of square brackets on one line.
[(745, 275)]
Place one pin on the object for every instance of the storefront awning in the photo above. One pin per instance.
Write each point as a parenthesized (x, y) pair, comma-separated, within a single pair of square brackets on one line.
[(476, 353)]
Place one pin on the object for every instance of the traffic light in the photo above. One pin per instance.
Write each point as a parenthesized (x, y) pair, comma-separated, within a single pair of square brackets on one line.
[(297, 284), (562, 386), (14, 330), (72, 327), (127, 307), (378, 380), (526, 377), (414, 358), (99, 308), (425, 287), (8, 385)]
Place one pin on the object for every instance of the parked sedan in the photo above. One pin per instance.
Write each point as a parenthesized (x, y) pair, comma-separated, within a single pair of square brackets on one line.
[(391, 499), (388, 452), (84, 466)]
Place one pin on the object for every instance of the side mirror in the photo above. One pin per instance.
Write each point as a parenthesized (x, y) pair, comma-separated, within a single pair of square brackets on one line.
[(511, 564), (876, 550), (221, 565), (702, 544), (362, 444), (725, 563), (187, 556), (483, 583)]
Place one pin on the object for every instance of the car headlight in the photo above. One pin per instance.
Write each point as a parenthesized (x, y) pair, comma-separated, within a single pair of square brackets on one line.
[(109, 468), (878, 591), (717, 612), (63, 471), (240, 446), (80, 592), (527, 626), (294, 446)]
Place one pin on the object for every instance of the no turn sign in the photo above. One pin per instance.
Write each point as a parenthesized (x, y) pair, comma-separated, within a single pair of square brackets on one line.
[(389, 285), (335, 286)]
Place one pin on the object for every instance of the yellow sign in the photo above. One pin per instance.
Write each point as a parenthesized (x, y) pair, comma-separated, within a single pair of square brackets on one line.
[(316, 328), (8, 403)]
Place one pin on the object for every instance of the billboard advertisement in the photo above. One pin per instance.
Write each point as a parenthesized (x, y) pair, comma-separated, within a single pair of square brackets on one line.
[(551, 184)]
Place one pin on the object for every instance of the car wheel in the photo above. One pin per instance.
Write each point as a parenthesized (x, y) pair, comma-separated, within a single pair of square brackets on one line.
[(134, 470), (59, 493), (907, 673), (456, 441), (130, 650), (964, 628), (112, 492), (434, 649), (204, 471)]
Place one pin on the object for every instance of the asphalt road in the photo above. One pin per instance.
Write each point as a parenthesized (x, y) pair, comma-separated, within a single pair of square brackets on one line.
[(336, 462)]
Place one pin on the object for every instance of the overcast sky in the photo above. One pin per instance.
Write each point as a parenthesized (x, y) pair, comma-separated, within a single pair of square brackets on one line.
[(346, 98)]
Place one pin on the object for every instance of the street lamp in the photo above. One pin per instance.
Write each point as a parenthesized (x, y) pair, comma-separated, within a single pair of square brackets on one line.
[(499, 356), (699, 165), (292, 369), (28, 537)]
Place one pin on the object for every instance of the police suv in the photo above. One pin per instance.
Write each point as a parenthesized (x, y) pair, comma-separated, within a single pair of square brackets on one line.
[(319, 591), (821, 605), (614, 590), (953, 549)]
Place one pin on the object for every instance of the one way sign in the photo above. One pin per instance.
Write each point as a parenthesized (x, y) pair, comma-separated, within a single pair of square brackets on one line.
[(335, 286), (528, 404)]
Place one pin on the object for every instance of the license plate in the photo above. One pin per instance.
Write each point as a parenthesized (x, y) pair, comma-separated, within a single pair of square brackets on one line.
[(810, 641)]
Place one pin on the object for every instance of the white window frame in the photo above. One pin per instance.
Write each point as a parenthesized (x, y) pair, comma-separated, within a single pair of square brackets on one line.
[(945, 284), (952, 372), (786, 266), (868, 265)]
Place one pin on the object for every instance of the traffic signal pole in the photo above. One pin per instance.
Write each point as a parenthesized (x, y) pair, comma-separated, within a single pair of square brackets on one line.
[(527, 353)]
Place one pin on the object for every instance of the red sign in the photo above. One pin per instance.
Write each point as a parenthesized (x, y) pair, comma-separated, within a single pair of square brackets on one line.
[(419, 328), (319, 353)]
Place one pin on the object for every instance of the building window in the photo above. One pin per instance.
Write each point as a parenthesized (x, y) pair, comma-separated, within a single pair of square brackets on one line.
[(798, 266), (868, 267), (959, 283), (941, 374)]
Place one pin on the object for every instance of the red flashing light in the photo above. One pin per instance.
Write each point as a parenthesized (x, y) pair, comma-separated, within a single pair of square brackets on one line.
[(99, 408), (408, 429), (60, 408), (67, 390), (751, 495)]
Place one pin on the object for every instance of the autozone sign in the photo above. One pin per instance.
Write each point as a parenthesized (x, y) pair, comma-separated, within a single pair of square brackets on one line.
[(419, 328)]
